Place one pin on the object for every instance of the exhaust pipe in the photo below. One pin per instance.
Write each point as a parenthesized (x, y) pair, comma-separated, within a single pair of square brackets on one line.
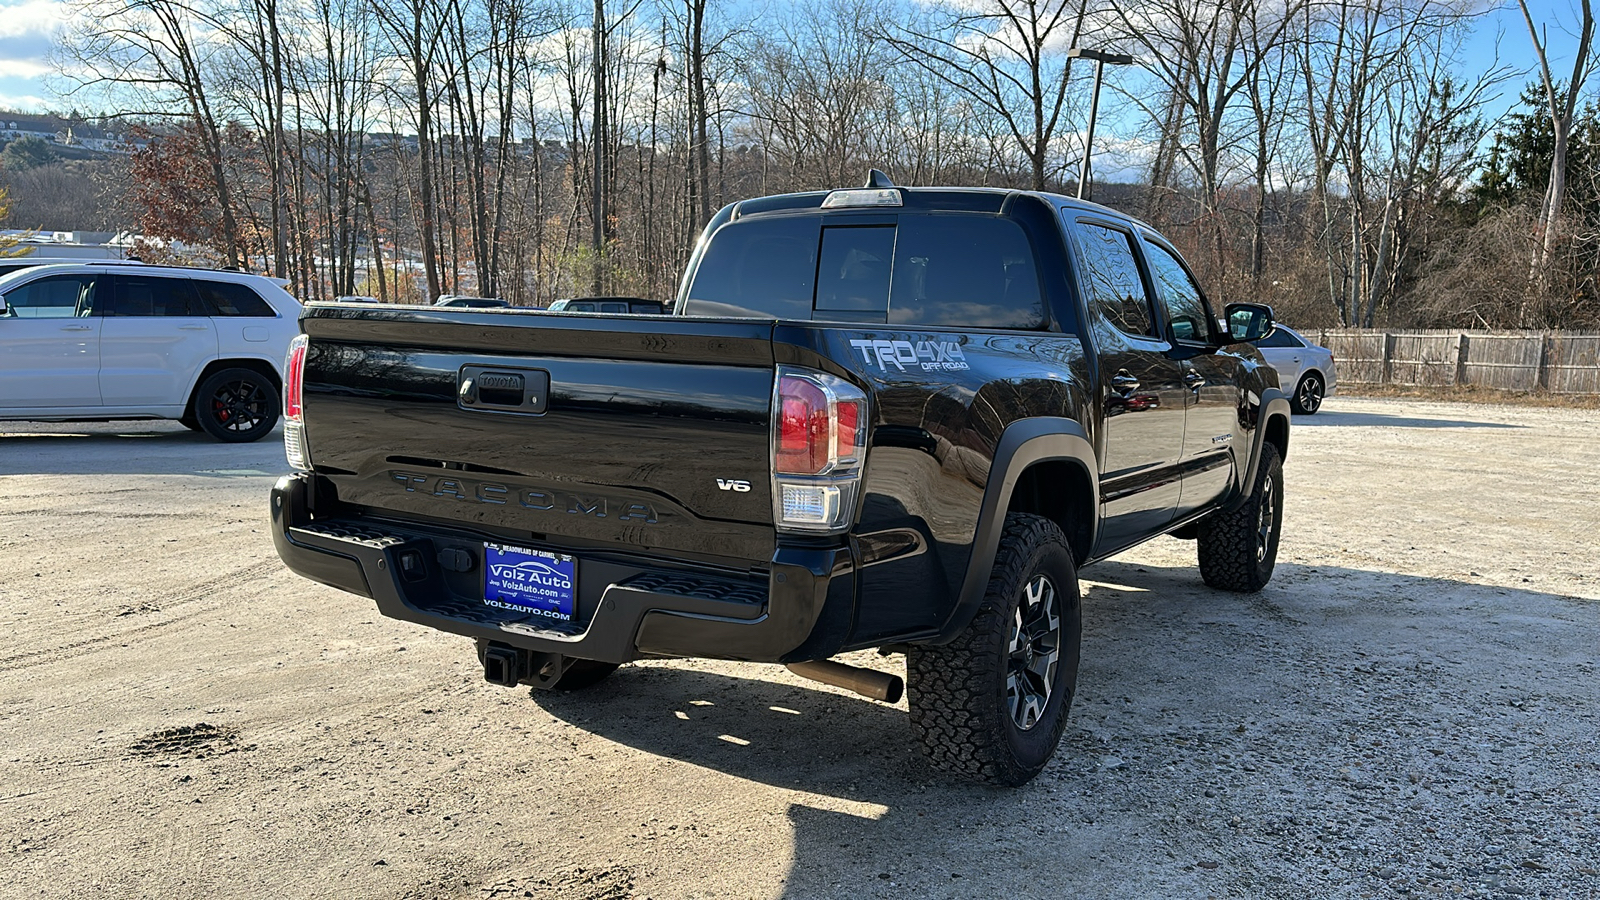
[(501, 665), (866, 682)]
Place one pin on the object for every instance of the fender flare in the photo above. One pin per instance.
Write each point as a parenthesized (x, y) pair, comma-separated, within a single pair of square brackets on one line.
[(1274, 404), (1024, 443)]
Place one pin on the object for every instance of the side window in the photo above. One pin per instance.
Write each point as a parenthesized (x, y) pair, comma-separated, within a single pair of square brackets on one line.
[(613, 307), (55, 297), (964, 271), (757, 267), (142, 295), (227, 298), (853, 275), (1186, 306), (1280, 338), (1112, 272)]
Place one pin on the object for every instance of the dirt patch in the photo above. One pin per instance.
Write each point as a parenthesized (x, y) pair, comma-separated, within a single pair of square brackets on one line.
[(1409, 709), (577, 884), (201, 740)]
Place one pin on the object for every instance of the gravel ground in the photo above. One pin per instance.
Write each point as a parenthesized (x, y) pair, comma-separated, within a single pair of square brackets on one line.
[(1409, 709)]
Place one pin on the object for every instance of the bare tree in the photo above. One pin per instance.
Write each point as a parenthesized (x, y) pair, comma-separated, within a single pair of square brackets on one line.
[(152, 46), (1562, 103), (1011, 61)]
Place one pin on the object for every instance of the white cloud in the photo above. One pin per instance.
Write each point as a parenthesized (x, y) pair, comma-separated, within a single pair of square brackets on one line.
[(25, 102), (32, 17), (23, 68)]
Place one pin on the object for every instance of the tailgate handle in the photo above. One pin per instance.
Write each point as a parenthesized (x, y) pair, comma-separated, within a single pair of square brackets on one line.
[(503, 390)]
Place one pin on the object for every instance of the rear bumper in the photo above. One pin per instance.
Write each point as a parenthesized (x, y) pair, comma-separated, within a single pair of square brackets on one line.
[(627, 608)]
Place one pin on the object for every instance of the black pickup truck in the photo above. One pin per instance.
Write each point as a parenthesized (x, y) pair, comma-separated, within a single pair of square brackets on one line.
[(894, 418)]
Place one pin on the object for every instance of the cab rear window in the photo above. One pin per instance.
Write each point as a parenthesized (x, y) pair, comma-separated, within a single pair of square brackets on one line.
[(945, 270)]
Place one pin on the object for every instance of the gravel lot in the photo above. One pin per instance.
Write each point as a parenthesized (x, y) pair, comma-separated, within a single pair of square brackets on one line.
[(1411, 708)]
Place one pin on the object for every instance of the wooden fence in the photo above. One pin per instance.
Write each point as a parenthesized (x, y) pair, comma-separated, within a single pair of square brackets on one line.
[(1561, 362)]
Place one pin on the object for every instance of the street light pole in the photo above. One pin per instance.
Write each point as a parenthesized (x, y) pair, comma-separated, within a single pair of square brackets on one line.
[(1100, 59)]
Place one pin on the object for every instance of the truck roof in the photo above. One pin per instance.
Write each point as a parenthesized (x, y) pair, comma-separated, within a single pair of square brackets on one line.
[(955, 199)]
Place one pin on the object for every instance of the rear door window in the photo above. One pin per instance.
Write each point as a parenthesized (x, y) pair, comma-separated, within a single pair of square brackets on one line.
[(227, 298), (1112, 274), (145, 296)]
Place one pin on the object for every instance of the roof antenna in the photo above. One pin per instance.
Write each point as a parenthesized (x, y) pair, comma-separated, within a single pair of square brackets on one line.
[(876, 179)]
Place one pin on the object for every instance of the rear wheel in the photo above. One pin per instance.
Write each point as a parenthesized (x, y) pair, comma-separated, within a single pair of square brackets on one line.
[(1307, 397), (236, 406), (992, 704), (1239, 548)]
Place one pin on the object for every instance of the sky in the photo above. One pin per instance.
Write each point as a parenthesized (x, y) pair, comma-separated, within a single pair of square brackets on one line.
[(30, 29)]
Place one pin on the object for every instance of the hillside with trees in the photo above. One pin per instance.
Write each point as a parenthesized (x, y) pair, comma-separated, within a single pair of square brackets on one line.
[(1333, 159)]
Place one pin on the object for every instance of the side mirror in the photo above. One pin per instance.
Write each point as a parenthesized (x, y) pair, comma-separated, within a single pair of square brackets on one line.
[(4, 309), (1249, 321)]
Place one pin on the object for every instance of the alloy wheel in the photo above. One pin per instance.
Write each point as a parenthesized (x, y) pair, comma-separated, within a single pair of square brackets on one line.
[(1034, 652), (239, 405)]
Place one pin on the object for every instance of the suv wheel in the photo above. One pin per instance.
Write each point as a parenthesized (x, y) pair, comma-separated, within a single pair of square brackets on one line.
[(236, 405), (1307, 397), (992, 704), (1239, 548)]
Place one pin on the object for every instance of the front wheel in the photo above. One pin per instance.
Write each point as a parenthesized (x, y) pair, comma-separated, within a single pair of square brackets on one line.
[(992, 704), (1307, 397), (236, 406), (1239, 548)]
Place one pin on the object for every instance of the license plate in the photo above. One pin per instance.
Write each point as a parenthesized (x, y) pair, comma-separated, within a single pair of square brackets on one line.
[(531, 581)]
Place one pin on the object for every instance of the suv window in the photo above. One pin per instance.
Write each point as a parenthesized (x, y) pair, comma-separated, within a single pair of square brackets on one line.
[(1186, 306), (142, 295), (229, 298), (1113, 275), (53, 297)]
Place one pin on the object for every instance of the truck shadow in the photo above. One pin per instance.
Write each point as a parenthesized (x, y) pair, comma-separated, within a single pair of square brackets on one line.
[(131, 448), (1197, 711), (1332, 417)]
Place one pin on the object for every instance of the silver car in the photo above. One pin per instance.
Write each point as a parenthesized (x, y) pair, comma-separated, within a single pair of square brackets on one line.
[(1300, 363)]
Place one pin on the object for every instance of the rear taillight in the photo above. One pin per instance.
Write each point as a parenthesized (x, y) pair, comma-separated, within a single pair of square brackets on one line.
[(819, 441), (294, 426)]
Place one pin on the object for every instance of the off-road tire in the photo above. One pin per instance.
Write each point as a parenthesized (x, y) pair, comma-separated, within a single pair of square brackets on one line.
[(1307, 398), (958, 691), (236, 406), (1238, 548), (583, 673)]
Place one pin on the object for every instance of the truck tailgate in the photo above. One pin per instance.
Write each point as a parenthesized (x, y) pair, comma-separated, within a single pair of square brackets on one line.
[(652, 434)]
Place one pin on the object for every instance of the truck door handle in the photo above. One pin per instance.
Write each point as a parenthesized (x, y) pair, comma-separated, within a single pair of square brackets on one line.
[(1194, 380), (1124, 383)]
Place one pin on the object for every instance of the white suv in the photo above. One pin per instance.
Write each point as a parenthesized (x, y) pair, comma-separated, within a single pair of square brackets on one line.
[(130, 341)]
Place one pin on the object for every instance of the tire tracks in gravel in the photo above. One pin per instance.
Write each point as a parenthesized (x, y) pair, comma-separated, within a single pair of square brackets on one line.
[(191, 595)]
